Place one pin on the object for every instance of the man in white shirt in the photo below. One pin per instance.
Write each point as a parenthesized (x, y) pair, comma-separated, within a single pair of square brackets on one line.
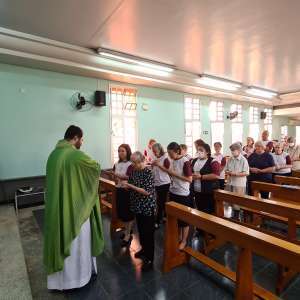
[(265, 137), (237, 170)]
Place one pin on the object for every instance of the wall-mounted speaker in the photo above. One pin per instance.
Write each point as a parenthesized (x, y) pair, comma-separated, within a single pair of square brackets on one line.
[(100, 98), (263, 115)]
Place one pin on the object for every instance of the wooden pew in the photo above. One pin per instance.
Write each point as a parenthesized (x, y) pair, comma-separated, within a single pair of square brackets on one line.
[(288, 211), (296, 173), (287, 180), (248, 240), (277, 191), (107, 196), (282, 193), (285, 211)]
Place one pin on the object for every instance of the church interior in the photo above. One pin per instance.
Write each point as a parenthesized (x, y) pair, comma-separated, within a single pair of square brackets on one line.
[(202, 96)]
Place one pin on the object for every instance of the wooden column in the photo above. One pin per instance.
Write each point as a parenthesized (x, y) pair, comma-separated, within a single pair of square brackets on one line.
[(172, 256), (244, 281)]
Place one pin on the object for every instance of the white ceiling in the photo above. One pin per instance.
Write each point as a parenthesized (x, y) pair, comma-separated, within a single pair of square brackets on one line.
[(255, 42)]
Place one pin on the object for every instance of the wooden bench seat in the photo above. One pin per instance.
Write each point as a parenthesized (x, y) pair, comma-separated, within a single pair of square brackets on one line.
[(280, 211), (248, 240)]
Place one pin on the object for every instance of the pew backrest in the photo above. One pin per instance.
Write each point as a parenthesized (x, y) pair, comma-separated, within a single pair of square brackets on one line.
[(284, 192)]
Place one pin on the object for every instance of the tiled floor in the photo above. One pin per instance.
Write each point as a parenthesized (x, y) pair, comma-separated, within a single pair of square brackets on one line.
[(120, 275), (13, 276)]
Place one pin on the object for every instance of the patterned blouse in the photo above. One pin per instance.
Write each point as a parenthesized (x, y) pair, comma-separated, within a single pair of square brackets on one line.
[(140, 204)]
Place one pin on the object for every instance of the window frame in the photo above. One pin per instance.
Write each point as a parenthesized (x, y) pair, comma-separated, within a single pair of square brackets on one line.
[(238, 121), (123, 117), (191, 148), (216, 120), (254, 120), (268, 121)]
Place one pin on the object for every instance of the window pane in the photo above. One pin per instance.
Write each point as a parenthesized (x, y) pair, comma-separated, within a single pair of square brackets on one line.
[(237, 108), (269, 128), (192, 122), (213, 110), (217, 132), (123, 119), (268, 119), (284, 132), (216, 111), (237, 132), (254, 131), (253, 114), (188, 129)]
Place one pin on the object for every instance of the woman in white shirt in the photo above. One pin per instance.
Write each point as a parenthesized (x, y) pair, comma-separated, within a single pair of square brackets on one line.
[(283, 162), (161, 180), (121, 171), (181, 174), (221, 159)]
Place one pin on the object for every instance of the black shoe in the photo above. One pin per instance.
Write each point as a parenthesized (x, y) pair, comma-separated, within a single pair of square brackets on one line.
[(147, 265), (139, 254), (125, 243)]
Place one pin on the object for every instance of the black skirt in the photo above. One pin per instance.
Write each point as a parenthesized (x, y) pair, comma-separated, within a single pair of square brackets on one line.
[(205, 202), (123, 205), (184, 200)]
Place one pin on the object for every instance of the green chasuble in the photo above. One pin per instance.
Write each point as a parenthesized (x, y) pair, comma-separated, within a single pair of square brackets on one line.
[(71, 198)]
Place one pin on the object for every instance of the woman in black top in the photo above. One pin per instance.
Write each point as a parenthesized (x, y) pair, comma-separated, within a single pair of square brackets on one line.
[(261, 165), (206, 173), (143, 204)]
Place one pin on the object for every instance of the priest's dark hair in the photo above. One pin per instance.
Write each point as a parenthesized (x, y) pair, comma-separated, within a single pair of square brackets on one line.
[(73, 131)]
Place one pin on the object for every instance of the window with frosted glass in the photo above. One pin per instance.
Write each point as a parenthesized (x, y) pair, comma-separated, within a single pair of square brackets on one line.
[(123, 119), (237, 123), (268, 121), (192, 122), (216, 114), (254, 122)]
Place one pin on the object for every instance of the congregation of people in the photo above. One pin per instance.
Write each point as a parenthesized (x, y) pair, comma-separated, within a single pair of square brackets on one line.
[(145, 181)]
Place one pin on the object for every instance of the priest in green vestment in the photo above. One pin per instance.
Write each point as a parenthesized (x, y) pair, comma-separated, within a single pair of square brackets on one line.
[(73, 228)]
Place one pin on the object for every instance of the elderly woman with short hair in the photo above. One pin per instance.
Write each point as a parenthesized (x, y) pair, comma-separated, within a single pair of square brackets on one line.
[(261, 165), (143, 204)]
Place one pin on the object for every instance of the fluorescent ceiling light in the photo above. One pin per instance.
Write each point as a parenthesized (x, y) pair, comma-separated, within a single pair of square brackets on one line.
[(150, 71), (136, 61), (260, 93), (222, 84)]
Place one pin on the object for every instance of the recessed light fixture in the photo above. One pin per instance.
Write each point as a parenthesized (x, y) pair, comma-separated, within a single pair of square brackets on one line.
[(260, 92), (219, 83), (135, 61)]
